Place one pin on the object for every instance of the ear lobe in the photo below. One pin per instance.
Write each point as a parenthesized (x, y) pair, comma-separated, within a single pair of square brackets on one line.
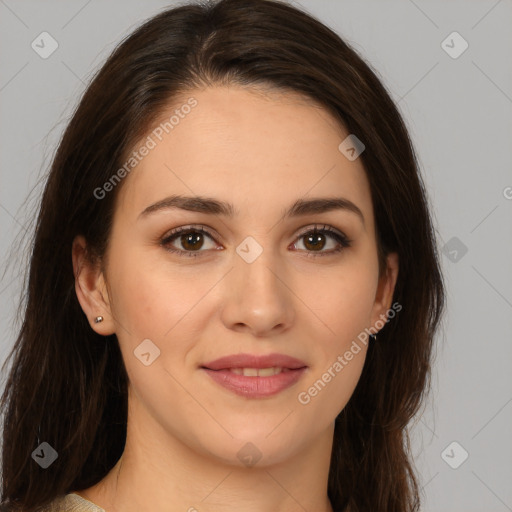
[(91, 289), (385, 289)]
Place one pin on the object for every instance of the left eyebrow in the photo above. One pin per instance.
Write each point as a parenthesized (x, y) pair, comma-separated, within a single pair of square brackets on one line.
[(322, 205), (212, 206)]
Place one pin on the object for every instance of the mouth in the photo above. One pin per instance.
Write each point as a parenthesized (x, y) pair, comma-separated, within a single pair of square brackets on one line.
[(254, 361), (259, 372), (254, 376)]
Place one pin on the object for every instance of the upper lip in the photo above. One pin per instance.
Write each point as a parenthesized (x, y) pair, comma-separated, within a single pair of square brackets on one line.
[(255, 361)]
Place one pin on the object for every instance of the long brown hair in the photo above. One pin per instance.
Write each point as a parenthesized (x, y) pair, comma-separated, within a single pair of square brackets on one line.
[(68, 385)]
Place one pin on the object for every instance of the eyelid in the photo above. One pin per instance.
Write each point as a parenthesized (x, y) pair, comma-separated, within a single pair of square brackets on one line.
[(200, 228), (213, 233), (320, 228)]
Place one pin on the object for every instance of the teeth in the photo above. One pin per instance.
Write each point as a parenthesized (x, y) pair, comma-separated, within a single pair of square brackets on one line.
[(257, 372), (267, 372)]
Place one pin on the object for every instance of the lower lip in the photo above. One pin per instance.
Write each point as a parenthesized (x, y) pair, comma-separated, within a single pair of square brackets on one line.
[(255, 387)]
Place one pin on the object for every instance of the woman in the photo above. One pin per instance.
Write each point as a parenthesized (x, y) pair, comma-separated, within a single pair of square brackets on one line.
[(234, 208)]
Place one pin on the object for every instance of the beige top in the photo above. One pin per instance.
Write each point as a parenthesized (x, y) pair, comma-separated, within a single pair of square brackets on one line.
[(72, 503)]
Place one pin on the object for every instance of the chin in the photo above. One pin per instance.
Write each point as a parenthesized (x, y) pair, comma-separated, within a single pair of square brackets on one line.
[(255, 447)]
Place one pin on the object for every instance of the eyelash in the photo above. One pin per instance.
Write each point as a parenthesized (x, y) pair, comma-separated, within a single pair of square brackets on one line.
[(342, 240)]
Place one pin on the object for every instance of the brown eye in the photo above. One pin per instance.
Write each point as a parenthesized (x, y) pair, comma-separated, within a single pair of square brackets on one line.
[(191, 241), (316, 239)]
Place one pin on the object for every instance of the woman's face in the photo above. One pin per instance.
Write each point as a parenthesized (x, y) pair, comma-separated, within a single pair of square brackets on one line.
[(256, 281)]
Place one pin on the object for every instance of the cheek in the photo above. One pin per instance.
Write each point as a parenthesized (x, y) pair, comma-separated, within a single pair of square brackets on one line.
[(156, 301), (153, 303), (328, 390), (151, 298), (341, 299), (342, 303), (347, 369)]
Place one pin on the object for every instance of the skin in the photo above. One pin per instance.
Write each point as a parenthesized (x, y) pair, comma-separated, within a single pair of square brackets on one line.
[(260, 150)]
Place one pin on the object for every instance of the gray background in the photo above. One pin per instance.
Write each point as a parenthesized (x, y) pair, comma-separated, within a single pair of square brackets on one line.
[(458, 111)]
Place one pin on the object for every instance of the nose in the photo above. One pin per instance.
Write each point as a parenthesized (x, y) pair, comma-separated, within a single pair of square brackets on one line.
[(257, 296)]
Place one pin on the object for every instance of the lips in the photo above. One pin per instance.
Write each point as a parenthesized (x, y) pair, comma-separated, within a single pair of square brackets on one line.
[(254, 361), (254, 376)]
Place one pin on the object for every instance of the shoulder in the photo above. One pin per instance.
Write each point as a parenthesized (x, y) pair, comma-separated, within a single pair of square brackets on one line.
[(71, 502)]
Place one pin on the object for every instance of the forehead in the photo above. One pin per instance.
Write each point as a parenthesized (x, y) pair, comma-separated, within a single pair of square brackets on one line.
[(260, 150)]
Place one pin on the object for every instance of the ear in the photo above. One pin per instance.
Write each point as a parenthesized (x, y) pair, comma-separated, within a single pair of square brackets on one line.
[(385, 289), (91, 289)]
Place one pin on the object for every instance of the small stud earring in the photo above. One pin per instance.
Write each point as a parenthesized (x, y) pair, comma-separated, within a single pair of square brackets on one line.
[(98, 319), (373, 337)]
